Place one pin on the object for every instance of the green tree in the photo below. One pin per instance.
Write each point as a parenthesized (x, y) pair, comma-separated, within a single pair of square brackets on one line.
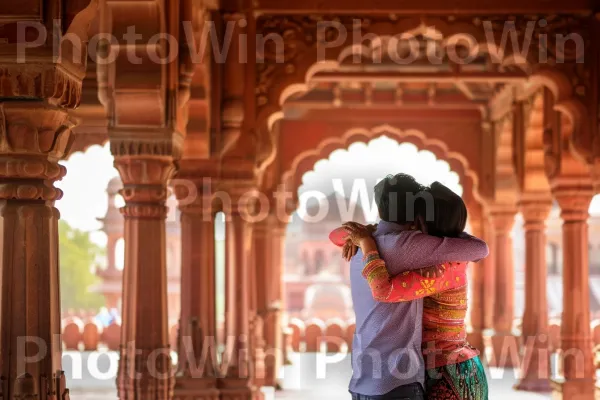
[(77, 255)]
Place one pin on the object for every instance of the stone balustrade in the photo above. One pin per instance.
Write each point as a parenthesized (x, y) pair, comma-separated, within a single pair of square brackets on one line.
[(85, 334)]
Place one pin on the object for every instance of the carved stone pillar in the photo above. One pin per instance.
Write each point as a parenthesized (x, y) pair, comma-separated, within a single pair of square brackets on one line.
[(197, 378), (489, 286), (578, 360), (145, 363), (260, 264), (237, 385), (535, 367), (37, 89), (477, 282), (269, 236), (33, 137), (504, 343)]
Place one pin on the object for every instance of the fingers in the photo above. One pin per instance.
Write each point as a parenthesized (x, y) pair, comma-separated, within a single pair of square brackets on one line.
[(350, 226), (353, 225), (345, 252), (349, 250)]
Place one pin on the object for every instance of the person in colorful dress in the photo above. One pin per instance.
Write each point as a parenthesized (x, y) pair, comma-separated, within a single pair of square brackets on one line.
[(387, 359), (454, 370)]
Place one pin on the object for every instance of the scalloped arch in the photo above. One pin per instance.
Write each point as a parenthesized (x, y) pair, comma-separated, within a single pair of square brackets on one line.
[(305, 161), (84, 142)]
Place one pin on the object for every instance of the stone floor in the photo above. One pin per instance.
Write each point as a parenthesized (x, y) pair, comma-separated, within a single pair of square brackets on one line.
[(310, 375)]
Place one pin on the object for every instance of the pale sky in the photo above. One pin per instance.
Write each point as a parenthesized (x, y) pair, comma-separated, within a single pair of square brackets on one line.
[(88, 174), (84, 189)]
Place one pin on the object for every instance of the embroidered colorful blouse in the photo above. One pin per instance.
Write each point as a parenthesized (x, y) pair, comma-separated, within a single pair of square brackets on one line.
[(444, 290)]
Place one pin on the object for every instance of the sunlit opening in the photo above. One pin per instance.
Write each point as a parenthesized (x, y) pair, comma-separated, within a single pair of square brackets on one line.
[(339, 189)]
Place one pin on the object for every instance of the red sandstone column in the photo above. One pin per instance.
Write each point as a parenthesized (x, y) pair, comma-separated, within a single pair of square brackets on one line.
[(275, 317), (259, 276), (269, 236), (535, 366), (145, 363), (198, 332), (236, 360), (33, 137), (578, 359), (489, 285), (37, 89), (477, 282), (504, 343)]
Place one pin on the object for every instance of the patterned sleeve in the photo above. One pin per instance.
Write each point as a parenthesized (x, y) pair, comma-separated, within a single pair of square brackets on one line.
[(410, 285)]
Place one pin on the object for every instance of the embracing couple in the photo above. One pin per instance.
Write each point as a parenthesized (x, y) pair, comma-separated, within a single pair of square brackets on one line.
[(409, 288)]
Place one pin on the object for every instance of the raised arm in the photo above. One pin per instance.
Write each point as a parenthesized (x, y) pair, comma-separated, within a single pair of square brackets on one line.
[(409, 285), (410, 250)]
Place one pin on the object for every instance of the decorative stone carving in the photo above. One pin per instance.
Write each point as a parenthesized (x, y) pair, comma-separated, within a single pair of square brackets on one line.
[(43, 81), (35, 133), (551, 59), (144, 185), (35, 136), (150, 147)]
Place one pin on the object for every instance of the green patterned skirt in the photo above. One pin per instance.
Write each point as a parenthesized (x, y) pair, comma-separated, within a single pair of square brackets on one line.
[(462, 381)]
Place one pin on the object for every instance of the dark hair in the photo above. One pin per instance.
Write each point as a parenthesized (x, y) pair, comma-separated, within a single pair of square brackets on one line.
[(449, 212), (391, 197)]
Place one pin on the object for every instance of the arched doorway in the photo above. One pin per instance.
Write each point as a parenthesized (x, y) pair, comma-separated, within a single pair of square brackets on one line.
[(338, 189)]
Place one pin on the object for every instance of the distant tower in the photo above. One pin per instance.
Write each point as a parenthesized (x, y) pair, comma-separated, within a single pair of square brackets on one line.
[(112, 226), (112, 277)]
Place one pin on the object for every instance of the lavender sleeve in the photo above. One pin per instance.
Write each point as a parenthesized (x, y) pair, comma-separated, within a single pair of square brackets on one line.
[(411, 250)]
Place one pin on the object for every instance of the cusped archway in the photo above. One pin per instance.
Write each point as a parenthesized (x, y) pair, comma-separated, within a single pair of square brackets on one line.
[(294, 167)]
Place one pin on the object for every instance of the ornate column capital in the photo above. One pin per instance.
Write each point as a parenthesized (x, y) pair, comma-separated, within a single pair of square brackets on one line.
[(535, 211), (194, 196), (33, 138), (144, 185), (503, 217), (574, 197), (271, 225), (245, 198)]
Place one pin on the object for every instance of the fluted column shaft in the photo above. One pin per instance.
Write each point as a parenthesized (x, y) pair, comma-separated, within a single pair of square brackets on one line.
[(535, 366), (489, 282), (237, 383), (197, 324), (504, 343), (477, 283), (269, 236), (145, 363), (576, 338)]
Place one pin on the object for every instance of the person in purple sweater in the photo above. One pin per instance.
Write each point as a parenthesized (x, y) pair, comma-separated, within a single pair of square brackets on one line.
[(386, 352)]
